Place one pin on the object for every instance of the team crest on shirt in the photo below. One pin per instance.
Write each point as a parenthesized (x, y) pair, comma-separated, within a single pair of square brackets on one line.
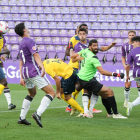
[(34, 48)]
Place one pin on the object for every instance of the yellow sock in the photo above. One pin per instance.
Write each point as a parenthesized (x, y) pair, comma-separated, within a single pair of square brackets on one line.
[(88, 103), (75, 105), (62, 96), (1, 88), (75, 93), (82, 91)]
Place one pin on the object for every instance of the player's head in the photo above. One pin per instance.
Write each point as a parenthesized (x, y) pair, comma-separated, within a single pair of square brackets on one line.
[(21, 30), (93, 46), (136, 41), (84, 26), (131, 34), (82, 33)]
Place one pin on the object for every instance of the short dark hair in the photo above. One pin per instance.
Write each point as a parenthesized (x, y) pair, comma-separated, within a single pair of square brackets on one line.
[(82, 29), (19, 29), (136, 38), (82, 25), (92, 41)]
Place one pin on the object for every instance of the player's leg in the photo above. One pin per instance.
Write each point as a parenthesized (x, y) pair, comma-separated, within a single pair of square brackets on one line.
[(138, 87)]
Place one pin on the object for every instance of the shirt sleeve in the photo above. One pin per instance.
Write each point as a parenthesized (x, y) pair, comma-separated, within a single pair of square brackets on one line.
[(72, 41), (32, 47), (95, 61), (76, 48), (81, 51), (123, 52), (129, 59)]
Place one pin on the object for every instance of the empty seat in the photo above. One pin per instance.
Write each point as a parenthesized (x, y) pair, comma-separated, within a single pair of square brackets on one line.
[(112, 50), (54, 3), (44, 25), (1, 16), (56, 10), (21, 2), (116, 33), (84, 18), (58, 17), (6, 9), (47, 10), (31, 32), (90, 10), (75, 18), (42, 52), (65, 41), (13, 40), (57, 41), (50, 17), (119, 57), (48, 40), (131, 3), (119, 18), (62, 3), (111, 18), (46, 32), (82, 10), (79, 3), (11, 24), (73, 10), (110, 56), (29, 3), (4, 2), (119, 42), (104, 25), (105, 3), (45, 2), (128, 18), (119, 63), (23, 10), (122, 26), (131, 26), (134, 10), (11, 32), (114, 3), (60, 52), (65, 10), (123, 3), (98, 33), (99, 10), (138, 3), (71, 3), (61, 25), (14, 52), (95, 25), (119, 50), (96, 3), (109, 41), (40, 40), (107, 33), (33, 17), (35, 25), (88, 24), (9, 47), (25, 17), (113, 26), (37, 3), (101, 41), (71, 33), (1, 9), (138, 26), (90, 33), (136, 18), (31, 10), (117, 10), (63, 33), (16, 17), (88, 3), (108, 10), (126, 10), (28, 24), (55, 33), (124, 34), (13, 2), (92, 18), (102, 18), (77, 24), (69, 25), (15, 10), (100, 56), (39, 10), (7, 39), (67, 18), (42, 17), (51, 52), (52, 25), (37, 32), (8, 17)]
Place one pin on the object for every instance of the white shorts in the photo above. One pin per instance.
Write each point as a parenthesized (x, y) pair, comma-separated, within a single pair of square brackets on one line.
[(97, 76), (137, 80), (39, 81), (130, 75), (4, 71)]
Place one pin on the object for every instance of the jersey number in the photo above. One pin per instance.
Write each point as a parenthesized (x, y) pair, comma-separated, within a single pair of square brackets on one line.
[(83, 62), (138, 55), (23, 57)]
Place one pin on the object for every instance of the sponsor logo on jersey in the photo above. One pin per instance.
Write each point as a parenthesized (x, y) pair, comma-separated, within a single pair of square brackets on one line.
[(34, 48)]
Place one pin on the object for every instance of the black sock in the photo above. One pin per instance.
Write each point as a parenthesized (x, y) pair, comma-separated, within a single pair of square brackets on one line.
[(107, 106), (112, 103)]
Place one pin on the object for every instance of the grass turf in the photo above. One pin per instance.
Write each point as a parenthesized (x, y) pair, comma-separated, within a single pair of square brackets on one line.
[(59, 125)]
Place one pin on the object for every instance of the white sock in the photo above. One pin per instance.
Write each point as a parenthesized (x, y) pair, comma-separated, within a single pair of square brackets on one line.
[(126, 94), (136, 102), (85, 100), (46, 100), (7, 95), (93, 101), (138, 91), (25, 106)]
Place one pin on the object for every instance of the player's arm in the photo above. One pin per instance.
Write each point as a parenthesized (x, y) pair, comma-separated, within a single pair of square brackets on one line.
[(39, 62), (58, 86), (123, 57), (127, 73), (5, 52), (22, 82), (106, 48), (123, 62)]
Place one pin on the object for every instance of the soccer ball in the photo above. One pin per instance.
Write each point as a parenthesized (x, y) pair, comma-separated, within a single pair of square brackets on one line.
[(3, 27)]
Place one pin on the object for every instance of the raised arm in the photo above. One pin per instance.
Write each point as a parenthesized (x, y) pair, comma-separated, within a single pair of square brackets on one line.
[(105, 48)]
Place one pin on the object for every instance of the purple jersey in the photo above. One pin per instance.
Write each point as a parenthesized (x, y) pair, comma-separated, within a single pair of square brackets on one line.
[(79, 46), (126, 48), (134, 60), (27, 48)]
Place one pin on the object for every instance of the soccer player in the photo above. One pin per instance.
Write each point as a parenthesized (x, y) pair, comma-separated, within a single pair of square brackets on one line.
[(89, 65), (134, 59), (6, 88), (126, 49), (83, 44), (30, 62), (65, 87)]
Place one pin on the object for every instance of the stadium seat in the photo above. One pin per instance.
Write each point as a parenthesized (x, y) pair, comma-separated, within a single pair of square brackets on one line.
[(84, 18), (25, 17), (122, 26), (104, 25), (109, 63), (23, 10), (37, 2), (119, 50), (63, 33), (123, 3), (33, 17), (52, 25), (105, 3), (44, 25), (75, 18), (101, 41), (71, 3), (111, 18), (56, 10), (108, 10), (128, 18), (114, 3), (16, 17), (46, 3), (126, 10), (69, 25), (90, 33), (40, 41), (118, 63), (62, 3), (95, 25), (138, 3), (100, 56), (119, 18), (29, 3), (134, 10), (45, 33), (96, 3), (90, 10), (21, 2), (51, 52), (6, 9), (131, 3), (77, 24), (54, 3), (116, 10), (55, 33), (41, 17), (112, 50), (102, 18), (39, 10), (92, 18), (1, 16), (88, 24), (48, 40), (119, 57), (82, 10), (57, 41), (31, 32), (13, 2), (138, 26), (50, 17), (136, 18), (88, 3), (7, 39), (124, 34), (109, 57), (1, 9), (98, 10), (65, 10), (15, 9), (14, 52), (107, 33), (65, 41), (67, 18), (119, 42), (131, 26), (4, 2), (13, 40), (31, 10), (11, 24), (47, 10), (61, 25), (58, 17), (71, 33), (8, 17), (116, 33), (60, 52), (73, 10), (109, 41), (9, 47), (79, 3), (11, 32), (113, 26), (98, 33), (126, 40), (37, 32), (42, 52), (35, 25)]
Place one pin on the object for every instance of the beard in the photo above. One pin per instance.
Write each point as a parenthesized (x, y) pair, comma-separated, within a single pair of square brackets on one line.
[(95, 51)]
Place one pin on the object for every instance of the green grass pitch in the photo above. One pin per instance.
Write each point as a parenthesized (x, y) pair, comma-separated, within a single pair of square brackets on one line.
[(59, 125)]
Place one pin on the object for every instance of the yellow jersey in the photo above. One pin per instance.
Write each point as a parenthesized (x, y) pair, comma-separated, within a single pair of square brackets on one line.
[(2, 42), (74, 40), (56, 67)]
